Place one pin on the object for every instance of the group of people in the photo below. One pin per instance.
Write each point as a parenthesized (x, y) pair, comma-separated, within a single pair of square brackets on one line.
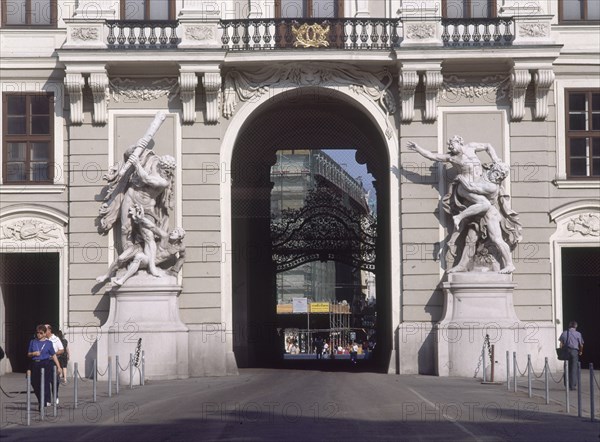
[(47, 350)]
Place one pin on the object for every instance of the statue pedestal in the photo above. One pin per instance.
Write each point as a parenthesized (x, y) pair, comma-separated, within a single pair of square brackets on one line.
[(476, 304), (146, 307)]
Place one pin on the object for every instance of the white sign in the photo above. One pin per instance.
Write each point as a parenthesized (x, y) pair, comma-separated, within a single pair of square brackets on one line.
[(299, 305)]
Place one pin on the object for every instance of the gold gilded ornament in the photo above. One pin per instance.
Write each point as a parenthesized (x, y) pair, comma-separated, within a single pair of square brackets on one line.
[(311, 36)]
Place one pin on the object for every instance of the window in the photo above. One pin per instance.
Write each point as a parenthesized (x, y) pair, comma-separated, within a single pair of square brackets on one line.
[(28, 148), (577, 11), (583, 133), (469, 8), (29, 13), (309, 8), (148, 9)]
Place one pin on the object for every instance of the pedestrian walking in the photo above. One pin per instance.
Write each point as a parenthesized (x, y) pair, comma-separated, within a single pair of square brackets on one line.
[(59, 350), (573, 340), (42, 354)]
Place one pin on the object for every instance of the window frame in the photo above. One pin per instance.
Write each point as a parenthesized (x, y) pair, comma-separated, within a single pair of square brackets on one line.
[(309, 7), (147, 11), (583, 21), (588, 133), (492, 8), (28, 138), (53, 16)]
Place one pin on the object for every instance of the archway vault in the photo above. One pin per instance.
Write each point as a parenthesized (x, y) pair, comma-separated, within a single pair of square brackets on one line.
[(312, 120)]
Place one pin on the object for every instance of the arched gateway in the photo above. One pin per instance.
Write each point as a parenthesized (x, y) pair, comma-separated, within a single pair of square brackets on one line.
[(310, 119)]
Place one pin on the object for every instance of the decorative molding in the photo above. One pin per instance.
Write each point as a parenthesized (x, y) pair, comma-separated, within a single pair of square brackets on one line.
[(74, 83), (200, 33), (311, 36), (519, 80), (30, 230), (187, 92), (491, 89), (138, 91), (585, 224), (534, 29), (420, 31), (245, 86), (407, 82), (543, 80), (98, 82), (433, 80), (84, 34), (212, 89)]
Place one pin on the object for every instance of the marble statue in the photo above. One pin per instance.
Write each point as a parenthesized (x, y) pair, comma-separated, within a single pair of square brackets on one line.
[(479, 207), (137, 203)]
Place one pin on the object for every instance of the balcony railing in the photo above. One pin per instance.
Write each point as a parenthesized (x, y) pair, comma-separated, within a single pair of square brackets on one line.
[(347, 33), (477, 31), (139, 34)]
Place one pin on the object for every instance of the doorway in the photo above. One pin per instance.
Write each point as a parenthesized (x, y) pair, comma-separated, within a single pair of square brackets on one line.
[(581, 297), (303, 127), (29, 286)]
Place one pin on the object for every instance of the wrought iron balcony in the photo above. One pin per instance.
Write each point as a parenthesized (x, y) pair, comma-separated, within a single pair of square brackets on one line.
[(346, 33), (477, 31), (138, 34), (289, 34)]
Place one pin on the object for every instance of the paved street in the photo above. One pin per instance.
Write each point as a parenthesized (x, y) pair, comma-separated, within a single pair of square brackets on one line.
[(303, 405)]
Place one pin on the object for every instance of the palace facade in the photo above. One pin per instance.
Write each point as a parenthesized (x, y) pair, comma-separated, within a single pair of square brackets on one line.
[(240, 81)]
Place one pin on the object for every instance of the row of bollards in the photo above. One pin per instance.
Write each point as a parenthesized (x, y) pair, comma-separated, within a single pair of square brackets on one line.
[(77, 377), (546, 373)]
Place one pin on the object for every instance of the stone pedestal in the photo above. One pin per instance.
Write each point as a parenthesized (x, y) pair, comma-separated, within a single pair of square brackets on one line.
[(146, 307), (477, 304)]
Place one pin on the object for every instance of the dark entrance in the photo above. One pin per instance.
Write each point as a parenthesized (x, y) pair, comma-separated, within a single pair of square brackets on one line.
[(581, 297), (29, 283), (310, 122)]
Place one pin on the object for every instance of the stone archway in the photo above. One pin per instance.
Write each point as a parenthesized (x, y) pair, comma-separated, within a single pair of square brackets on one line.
[(310, 121)]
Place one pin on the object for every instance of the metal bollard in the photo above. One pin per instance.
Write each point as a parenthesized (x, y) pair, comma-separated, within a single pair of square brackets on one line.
[(592, 403), (130, 371), (515, 371), (117, 371), (507, 370), (75, 383), (109, 376), (567, 403), (95, 380), (143, 374), (54, 390), (28, 397), (42, 394), (546, 381), (578, 388), (483, 361), (529, 375)]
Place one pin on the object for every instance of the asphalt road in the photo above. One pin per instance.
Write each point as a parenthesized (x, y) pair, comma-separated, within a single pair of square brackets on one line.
[(298, 405)]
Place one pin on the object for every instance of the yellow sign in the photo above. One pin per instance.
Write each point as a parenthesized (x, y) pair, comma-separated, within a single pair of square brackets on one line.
[(319, 307)]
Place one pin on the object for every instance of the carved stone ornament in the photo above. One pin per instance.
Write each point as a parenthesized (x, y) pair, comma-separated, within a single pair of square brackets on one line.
[(587, 224), (30, 230), (246, 86), (74, 83), (84, 34), (200, 33), (121, 88), (420, 31), (491, 89), (311, 36), (533, 30)]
